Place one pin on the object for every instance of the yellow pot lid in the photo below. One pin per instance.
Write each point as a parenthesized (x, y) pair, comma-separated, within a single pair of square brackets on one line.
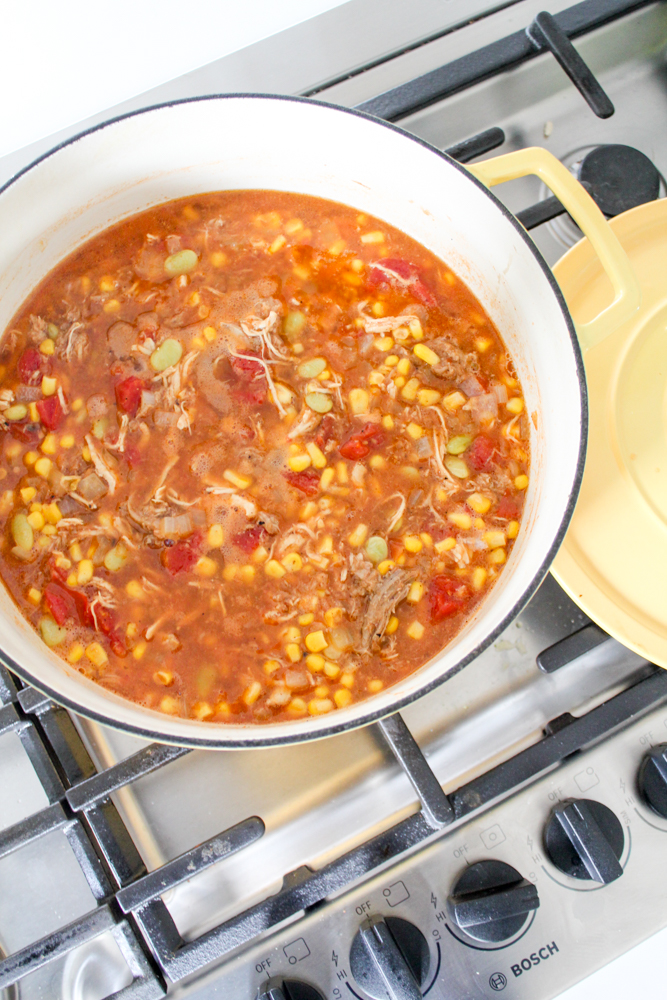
[(613, 562)]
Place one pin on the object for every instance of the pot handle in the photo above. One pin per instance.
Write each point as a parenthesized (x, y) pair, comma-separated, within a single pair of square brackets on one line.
[(591, 221)]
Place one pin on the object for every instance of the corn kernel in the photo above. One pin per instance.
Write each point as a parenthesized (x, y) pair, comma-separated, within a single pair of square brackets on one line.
[(306, 619), (320, 706), (49, 445), (387, 422), (260, 554), (377, 462), (415, 328), (241, 482), (497, 557), (292, 634), (27, 493), (415, 593), (206, 566), (317, 458), (482, 344), (413, 543), (326, 479), (326, 545), (478, 578), (71, 580), (415, 431), (271, 666), (374, 686), (428, 397), (210, 333), (49, 385), (247, 573), (415, 630), (333, 616), (331, 670), (43, 467), (253, 691), (410, 389), (292, 562), (62, 562), (461, 520), (321, 691), (403, 367), (229, 571), (385, 566), (293, 652), (169, 705), (358, 536), (111, 306), (96, 654), (274, 569), (479, 503), (30, 458), (376, 236), (445, 545), (308, 510), (315, 642), (135, 590), (359, 400), (49, 529), (84, 573), (347, 680), (36, 520), (454, 401), (494, 539), (521, 482), (315, 662), (52, 513), (47, 347), (512, 529), (215, 536), (298, 463), (342, 697), (425, 353), (75, 552), (75, 653), (34, 596), (277, 244), (131, 630), (384, 343), (85, 453), (514, 405), (218, 258), (34, 412)]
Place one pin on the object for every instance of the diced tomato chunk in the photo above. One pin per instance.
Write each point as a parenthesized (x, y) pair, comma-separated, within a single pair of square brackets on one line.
[(128, 394), (363, 442), (64, 603), (57, 602), (307, 481), (251, 539), (26, 432), (31, 366), (106, 624), (246, 366), (326, 431), (50, 412), (182, 556), (480, 452), (402, 274), (132, 455), (507, 507), (447, 596)]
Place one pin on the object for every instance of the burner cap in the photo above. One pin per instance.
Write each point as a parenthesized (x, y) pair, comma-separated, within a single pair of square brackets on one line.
[(620, 178)]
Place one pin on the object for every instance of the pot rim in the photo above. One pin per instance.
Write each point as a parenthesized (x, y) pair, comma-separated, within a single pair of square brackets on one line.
[(263, 737)]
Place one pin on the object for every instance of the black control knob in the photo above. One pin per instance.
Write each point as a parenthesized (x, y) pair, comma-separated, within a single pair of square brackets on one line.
[(652, 779), (585, 840), (389, 958), (287, 989), (491, 901)]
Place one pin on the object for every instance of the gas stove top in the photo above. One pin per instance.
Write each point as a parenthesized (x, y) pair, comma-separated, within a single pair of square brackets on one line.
[(498, 835)]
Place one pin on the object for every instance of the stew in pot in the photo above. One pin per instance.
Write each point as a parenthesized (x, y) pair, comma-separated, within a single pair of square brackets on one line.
[(263, 456)]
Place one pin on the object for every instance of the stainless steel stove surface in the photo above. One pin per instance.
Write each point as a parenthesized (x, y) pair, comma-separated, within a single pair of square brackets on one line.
[(517, 849)]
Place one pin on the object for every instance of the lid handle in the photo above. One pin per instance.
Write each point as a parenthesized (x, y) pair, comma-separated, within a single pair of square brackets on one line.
[(591, 221)]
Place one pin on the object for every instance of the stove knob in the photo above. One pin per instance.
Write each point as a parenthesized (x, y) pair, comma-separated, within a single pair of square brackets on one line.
[(652, 779), (389, 958), (585, 840), (491, 901), (287, 989)]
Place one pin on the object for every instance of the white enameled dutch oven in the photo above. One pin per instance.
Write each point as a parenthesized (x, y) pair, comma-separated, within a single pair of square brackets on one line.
[(253, 141)]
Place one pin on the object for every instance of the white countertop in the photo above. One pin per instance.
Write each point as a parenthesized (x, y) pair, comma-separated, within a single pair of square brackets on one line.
[(61, 63)]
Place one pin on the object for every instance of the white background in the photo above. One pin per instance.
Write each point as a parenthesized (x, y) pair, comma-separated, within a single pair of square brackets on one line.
[(61, 62)]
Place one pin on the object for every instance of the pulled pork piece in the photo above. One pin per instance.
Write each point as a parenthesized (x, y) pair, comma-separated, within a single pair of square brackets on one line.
[(391, 589), (455, 364), (269, 522)]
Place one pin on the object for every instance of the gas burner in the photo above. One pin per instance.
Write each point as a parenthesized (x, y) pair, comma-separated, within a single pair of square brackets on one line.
[(619, 178)]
